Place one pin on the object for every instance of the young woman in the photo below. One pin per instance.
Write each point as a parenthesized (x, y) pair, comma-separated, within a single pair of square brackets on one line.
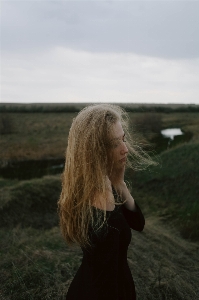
[(96, 208)]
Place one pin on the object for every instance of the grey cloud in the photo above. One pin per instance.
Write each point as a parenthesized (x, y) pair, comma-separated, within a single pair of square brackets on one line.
[(162, 29)]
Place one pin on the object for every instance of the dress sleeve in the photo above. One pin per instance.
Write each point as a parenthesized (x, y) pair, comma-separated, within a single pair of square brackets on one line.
[(103, 264), (135, 219)]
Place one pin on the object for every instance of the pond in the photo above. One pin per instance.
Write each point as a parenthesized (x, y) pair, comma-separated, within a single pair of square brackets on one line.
[(170, 137), (171, 132)]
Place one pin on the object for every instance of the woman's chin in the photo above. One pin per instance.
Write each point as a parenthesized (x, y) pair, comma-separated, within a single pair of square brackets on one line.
[(123, 161), (120, 164)]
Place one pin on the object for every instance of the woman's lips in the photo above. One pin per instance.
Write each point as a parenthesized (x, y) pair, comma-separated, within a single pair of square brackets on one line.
[(123, 159)]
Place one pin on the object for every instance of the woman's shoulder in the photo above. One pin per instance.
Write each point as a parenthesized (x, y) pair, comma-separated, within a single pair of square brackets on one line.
[(105, 202)]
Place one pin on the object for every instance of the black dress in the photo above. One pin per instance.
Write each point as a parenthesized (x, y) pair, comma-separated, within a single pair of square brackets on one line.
[(104, 273)]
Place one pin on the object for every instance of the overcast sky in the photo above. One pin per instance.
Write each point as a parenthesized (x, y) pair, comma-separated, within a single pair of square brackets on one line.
[(100, 51)]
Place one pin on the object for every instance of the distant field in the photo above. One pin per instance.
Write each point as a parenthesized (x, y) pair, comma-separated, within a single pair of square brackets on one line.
[(44, 135), (36, 136)]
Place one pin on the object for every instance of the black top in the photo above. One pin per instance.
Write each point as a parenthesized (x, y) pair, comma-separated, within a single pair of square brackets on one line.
[(104, 273)]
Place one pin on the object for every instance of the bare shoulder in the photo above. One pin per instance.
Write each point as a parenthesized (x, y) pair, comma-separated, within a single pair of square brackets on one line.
[(107, 203)]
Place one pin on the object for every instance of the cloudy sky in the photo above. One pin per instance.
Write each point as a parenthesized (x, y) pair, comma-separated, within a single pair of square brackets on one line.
[(100, 51)]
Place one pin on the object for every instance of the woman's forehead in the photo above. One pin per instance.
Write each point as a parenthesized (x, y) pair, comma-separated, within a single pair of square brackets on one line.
[(117, 130)]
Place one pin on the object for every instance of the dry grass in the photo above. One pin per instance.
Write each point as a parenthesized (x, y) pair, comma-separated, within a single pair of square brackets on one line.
[(35, 264), (38, 265), (36, 136), (44, 135), (163, 265)]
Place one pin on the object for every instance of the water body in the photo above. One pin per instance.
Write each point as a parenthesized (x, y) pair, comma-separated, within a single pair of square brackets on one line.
[(169, 138), (171, 132)]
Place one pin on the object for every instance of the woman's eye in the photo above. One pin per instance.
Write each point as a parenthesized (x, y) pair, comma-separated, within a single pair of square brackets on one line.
[(118, 143), (115, 145)]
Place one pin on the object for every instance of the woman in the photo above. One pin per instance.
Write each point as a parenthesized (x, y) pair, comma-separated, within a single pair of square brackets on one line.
[(96, 208)]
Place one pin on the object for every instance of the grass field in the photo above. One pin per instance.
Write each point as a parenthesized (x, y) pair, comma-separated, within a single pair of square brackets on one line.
[(172, 189), (44, 135), (164, 259), (37, 264)]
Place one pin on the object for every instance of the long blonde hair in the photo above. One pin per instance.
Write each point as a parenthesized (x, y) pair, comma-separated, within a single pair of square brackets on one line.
[(85, 172)]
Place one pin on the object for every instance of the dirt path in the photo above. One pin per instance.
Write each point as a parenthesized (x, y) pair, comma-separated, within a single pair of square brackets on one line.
[(164, 266)]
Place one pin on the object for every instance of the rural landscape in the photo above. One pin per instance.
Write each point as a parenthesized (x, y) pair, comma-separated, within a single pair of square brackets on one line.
[(36, 263)]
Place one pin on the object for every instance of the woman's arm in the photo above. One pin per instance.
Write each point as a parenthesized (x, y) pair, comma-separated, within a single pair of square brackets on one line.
[(117, 180), (124, 193), (130, 209), (135, 219)]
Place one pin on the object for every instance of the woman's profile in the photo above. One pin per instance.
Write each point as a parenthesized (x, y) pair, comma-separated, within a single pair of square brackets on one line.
[(96, 208)]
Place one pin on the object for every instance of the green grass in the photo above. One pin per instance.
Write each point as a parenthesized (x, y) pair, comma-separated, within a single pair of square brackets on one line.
[(30, 203), (171, 190), (7, 182), (35, 264), (44, 135), (38, 265)]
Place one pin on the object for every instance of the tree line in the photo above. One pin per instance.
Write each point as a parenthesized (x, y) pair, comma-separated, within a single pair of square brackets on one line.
[(58, 108)]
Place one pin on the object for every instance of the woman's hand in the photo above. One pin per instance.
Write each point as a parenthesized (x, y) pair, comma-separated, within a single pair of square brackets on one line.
[(117, 180), (117, 176)]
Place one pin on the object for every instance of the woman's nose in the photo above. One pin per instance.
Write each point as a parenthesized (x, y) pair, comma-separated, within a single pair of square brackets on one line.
[(124, 149)]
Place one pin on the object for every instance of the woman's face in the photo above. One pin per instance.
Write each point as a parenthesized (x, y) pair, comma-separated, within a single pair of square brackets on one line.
[(119, 150)]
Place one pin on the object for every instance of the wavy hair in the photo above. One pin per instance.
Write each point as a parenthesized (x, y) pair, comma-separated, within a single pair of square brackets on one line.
[(86, 165)]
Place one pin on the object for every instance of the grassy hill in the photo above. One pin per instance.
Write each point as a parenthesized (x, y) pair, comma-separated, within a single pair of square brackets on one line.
[(30, 203), (36, 264), (171, 190)]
